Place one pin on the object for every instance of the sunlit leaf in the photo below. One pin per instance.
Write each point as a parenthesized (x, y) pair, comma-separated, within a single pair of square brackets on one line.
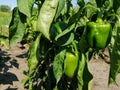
[(58, 64)]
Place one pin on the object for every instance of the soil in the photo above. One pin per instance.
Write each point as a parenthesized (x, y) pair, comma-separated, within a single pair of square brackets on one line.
[(14, 61)]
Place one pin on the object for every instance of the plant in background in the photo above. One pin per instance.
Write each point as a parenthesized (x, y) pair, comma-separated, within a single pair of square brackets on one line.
[(62, 40)]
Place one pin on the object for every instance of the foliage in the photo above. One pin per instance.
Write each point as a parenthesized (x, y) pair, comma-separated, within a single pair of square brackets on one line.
[(4, 40), (5, 8), (5, 18), (57, 28)]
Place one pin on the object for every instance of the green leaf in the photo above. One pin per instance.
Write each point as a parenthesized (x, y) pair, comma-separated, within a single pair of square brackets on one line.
[(83, 45), (82, 21), (33, 58), (25, 6), (100, 3), (87, 75), (116, 4), (30, 5), (58, 64), (25, 80), (18, 34), (66, 39), (81, 3), (69, 29), (14, 22), (115, 57), (31, 86), (112, 42), (20, 30), (57, 28), (84, 75), (91, 8), (46, 16), (108, 4), (16, 27), (60, 8), (80, 72)]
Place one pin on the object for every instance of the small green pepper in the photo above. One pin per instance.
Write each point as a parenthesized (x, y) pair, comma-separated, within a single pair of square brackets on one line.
[(70, 64), (98, 33)]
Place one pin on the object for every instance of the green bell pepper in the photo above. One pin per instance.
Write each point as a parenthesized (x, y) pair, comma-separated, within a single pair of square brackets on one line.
[(98, 33), (70, 64)]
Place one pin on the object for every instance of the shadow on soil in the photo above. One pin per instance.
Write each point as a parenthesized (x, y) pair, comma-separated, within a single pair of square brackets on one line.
[(11, 88), (5, 64), (24, 55)]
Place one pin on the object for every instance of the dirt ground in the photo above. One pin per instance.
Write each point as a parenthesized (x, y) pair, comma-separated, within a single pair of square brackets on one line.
[(15, 62), (100, 70)]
